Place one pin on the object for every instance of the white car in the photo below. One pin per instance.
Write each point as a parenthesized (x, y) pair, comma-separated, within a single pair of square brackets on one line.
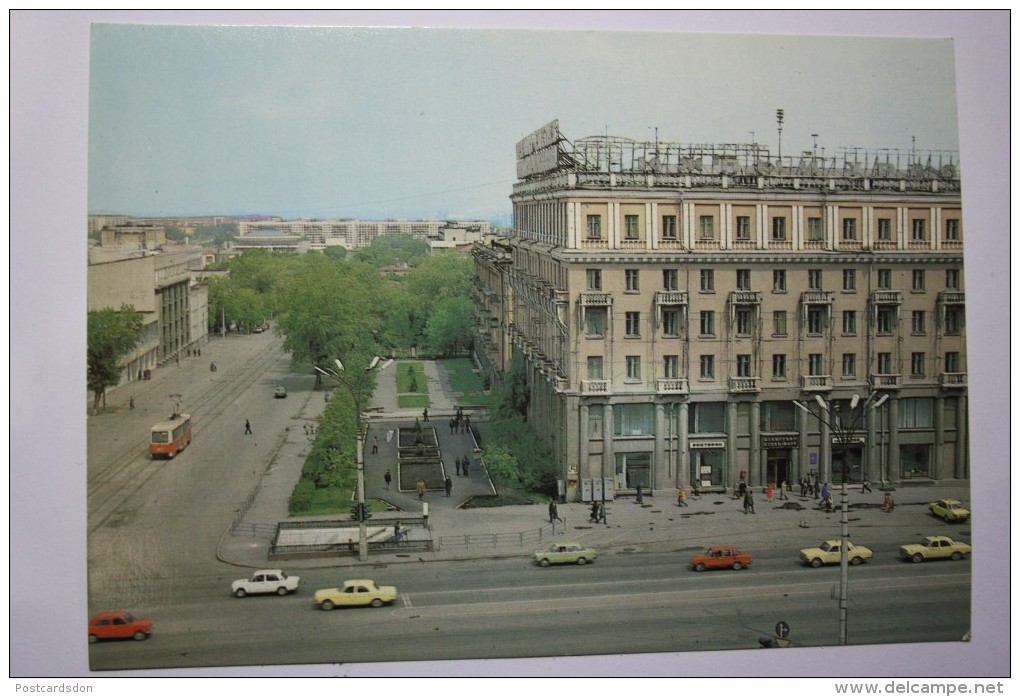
[(265, 581)]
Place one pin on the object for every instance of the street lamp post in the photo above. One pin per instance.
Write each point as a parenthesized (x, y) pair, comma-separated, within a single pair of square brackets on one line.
[(844, 436), (354, 388)]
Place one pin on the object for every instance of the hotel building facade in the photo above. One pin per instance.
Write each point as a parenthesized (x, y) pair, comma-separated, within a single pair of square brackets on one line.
[(713, 314)]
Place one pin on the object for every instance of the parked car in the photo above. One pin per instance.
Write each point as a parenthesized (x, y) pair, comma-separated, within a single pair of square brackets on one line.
[(265, 581), (934, 547), (281, 392), (565, 553), (119, 625), (829, 551), (949, 510), (721, 557), (355, 592)]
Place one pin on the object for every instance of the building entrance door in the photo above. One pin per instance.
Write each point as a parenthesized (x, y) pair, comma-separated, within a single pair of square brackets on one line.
[(777, 466)]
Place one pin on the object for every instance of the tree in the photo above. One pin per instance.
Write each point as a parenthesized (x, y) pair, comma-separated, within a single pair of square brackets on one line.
[(112, 335), (501, 466), (449, 331)]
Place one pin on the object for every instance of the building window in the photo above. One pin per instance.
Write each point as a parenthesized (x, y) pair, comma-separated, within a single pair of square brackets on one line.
[(594, 279), (850, 322), (706, 227), (885, 279), (743, 279), (631, 280), (633, 367), (595, 368), (707, 280), (917, 233), (633, 321), (778, 416), (917, 279), (952, 279), (917, 364), (743, 365), (670, 367), (707, 367), (815, 364), (630, 227), (952, 361), (595, 322), (917, 322), (849, 229), (849, 365), (779, 322), (885, 363), (885, 229), (634, 420), (744, 319), (671, 322), (814, 279), (706, 417), (743, 227), (814, 230), (669, 227), (952, 230), (884, 319), (594, 227), (779, 281), (816, 319), (707, 323), (779, 229), (849, 280), (954, 320), (916, 412), (778, 365), (670, 279)]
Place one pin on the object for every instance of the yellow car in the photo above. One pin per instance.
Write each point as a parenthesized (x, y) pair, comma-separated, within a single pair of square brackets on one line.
[(565, 553), (949, 510), (934, 547), (829, 551), (356, 592)]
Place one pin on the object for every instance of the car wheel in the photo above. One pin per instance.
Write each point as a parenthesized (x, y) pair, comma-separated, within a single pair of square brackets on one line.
[(816, 563), (917, 558), (957, 556), (327, 605), (582, 561), (281, 591), (544, 562), (93, 638), (856, 560), (737, 566), (240, 593), (376, 602), (699, 567), (140, 635)]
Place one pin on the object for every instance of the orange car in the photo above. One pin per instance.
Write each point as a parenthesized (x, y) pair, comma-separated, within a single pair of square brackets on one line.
[(721, 557), (118, 625)]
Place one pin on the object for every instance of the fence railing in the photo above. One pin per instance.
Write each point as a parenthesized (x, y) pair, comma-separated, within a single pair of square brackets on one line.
[(498, 539)]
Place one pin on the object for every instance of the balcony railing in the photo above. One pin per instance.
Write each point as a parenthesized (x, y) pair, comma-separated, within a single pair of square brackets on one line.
[(595, 299), (886, 297), (953, 379), (815, 383), (744, 385), (951, 297), (886, 381), (745, 297), (589, 387), (672, 386), (671, 297), (816, 297)]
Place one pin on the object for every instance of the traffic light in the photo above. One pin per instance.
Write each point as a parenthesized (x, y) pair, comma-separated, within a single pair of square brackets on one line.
[(366, 512), (356, 511)]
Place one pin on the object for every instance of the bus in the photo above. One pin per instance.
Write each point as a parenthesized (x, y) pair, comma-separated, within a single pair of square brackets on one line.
[(170, 437)]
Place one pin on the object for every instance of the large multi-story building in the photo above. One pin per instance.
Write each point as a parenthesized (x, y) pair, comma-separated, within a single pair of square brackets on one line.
[(356, 234), (713, 313)]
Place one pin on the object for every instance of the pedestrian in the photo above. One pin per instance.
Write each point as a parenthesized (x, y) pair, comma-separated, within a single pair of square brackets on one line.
[(866, 486), (420, 488), (375, 444), (594, 517), (425, 414), (464, 465), (601, 515), (887, 502), (467, 424), (769, 491), (783, 488), (131, 403), (453, 429), (825, 492), (449, 486), (247, 427), (554, 513), (388, 478), (697, 488), (748, 501), (681, 496), (200, 352)]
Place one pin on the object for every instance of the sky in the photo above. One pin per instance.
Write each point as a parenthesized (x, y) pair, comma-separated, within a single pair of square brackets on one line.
[(362, 122)]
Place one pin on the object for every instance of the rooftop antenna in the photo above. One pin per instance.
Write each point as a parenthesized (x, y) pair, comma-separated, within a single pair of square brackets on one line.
[(814, 144), (779, 121)]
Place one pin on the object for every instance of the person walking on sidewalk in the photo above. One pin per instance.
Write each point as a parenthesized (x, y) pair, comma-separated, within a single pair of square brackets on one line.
[(388, 478), (375, 444), (748, 501), (247, 427), (554, 513), (448, 484), (420, 488), (425, 415), (681, 496), (865, 486)]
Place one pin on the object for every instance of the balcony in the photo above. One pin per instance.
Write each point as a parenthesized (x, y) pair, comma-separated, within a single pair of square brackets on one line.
[(744, 385), (594, 387), (595, 299), (886, 381), (672, 386), (953, 380), (816, 297), (816, 383), (671, 297), (951, 297), (886, 297), (745, 297)]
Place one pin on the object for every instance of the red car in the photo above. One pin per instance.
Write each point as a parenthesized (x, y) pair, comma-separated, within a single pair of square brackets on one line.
[(119, 625), (721, 557)]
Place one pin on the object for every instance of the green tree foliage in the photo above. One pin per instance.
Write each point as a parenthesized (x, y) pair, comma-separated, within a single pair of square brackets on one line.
[(449, 331), (392, 249), (501, 466), (112, 335)]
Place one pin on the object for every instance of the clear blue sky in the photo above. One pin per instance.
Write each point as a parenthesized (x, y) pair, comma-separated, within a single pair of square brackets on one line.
[(421, 123)]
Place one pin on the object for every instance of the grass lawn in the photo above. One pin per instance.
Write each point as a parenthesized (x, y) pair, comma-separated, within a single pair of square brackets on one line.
[(411, 377), (413, 401), (466, 381), (333, 501)]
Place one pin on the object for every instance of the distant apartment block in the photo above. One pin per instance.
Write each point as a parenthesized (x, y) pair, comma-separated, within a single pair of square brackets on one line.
[(301, 235)]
